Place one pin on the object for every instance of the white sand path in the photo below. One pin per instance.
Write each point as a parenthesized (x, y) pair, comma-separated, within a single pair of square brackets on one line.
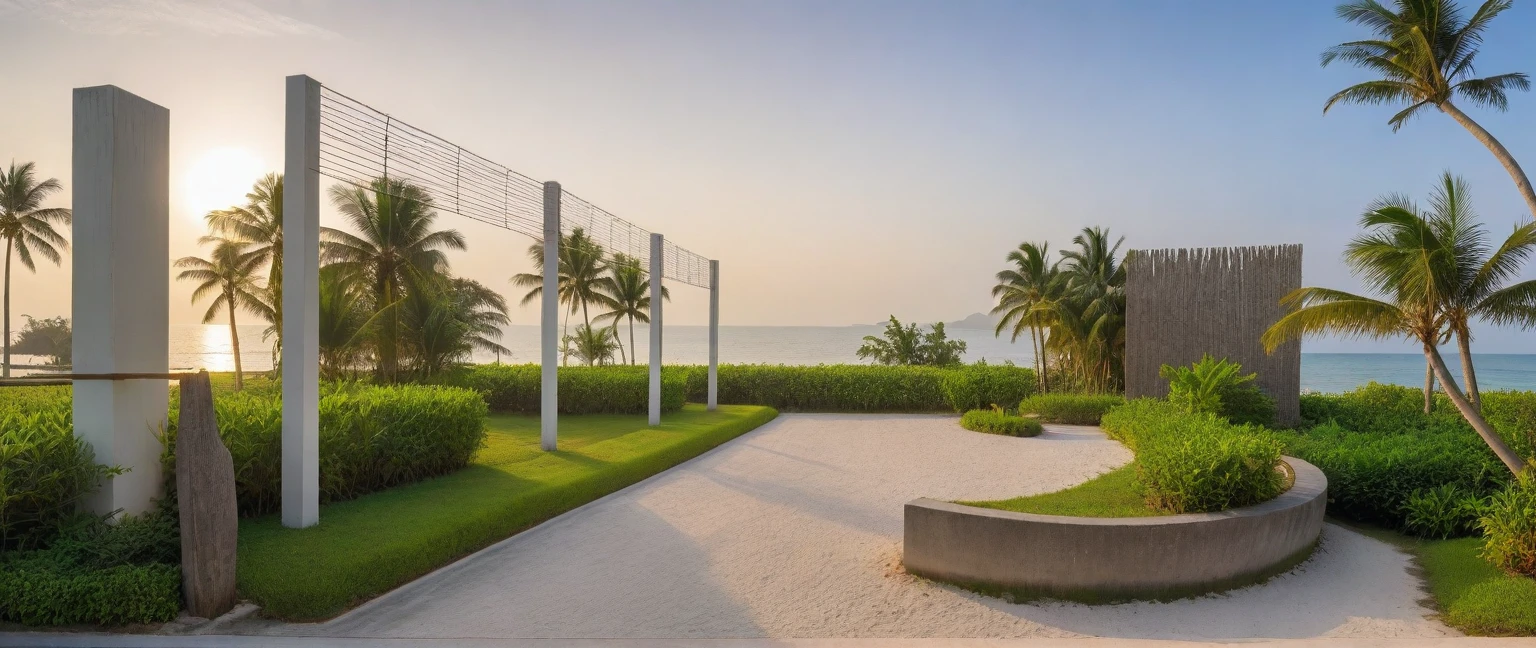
[(794, 530)]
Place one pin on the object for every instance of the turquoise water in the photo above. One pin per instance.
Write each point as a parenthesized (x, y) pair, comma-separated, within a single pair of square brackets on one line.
[(1336, 372)]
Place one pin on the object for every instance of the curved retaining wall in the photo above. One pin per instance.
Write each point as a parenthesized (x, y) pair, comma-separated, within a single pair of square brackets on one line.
[(1110, 559)]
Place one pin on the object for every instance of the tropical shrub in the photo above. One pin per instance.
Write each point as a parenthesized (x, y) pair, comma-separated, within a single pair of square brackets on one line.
[(45, 470), (582, 390), (371, 438), (906, 345), (1219, 387), (1446, 511), (1509, 523), (996, 421), (1074, 409), (1196, 462), (97, 573), (1371, 475)]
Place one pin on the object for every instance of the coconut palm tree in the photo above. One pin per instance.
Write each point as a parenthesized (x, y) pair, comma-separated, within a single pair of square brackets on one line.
[(27, 227), (594, 346), (1475, 284), (1020, 292), (1403, 258), (447, 318), (1424, 52), (630, 292), (582, 279), (1090, 308), (346, 321), (260, 223), (231, 276), (395, 248)]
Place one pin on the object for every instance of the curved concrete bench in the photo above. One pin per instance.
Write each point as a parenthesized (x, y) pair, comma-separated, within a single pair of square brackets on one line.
[(1100, 560)]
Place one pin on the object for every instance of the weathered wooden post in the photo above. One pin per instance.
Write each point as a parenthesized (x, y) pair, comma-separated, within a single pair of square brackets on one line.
[(205, 493)]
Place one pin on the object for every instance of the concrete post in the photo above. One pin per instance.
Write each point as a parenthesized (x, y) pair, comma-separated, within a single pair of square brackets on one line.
[(301, 305), (121, 298), (549, 322), (657, 269), (714, 335)]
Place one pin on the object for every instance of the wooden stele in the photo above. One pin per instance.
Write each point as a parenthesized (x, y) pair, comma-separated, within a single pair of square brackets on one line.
[(205, 492)]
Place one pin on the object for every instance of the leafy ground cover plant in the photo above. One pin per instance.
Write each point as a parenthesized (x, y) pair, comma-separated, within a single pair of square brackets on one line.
[(1219, 387), (1192, 463)]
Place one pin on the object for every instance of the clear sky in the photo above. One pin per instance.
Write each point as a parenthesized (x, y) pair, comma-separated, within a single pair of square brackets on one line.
[(844, 160)]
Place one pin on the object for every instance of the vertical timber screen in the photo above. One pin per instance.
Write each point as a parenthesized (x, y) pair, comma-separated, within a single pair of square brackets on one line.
[(1182, 304)]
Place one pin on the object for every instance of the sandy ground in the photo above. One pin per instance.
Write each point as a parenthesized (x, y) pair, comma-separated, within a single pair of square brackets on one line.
[(794, 530)]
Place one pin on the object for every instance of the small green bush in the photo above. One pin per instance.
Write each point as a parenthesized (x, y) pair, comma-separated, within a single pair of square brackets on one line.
[(1194, 463), (873, 388), (1509, 524), (1219, 387), (582, 390), (996, 421), (97, 573), (371, 438), (45, 470), (1074, 409), (1446, 511)]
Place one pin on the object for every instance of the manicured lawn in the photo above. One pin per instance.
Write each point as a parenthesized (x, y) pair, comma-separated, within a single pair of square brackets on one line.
[(367, 546), (1112, 494)]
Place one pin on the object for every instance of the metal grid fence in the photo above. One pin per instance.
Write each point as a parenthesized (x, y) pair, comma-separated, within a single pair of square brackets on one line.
[(364, 147)]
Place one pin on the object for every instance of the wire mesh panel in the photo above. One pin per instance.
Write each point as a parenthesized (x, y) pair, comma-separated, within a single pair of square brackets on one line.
[(371, 150)]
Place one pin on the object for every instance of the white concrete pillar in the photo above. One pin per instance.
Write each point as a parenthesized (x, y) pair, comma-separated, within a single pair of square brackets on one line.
[(657, 269), (714, 335), (121, 297), (549, 323), (301, 305)]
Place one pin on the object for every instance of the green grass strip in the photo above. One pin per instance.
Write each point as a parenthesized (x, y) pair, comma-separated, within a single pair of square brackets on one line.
[(1112, 494), (1472, 594), (370, 545)]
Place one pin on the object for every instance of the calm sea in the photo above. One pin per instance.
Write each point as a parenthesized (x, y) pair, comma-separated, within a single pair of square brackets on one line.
[(209, 347)]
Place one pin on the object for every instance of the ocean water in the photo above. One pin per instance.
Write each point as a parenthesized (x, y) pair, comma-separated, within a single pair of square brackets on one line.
[(208, 347)]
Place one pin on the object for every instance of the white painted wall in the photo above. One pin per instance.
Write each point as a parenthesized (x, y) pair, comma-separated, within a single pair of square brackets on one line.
[(121, 296)]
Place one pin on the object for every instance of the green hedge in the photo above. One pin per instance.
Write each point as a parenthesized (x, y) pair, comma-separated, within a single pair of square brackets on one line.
[(1073, 409), (1388, 463), (371, 438), (997, 422), (866, 388), (583, 390), (45, 469), (1196, 463)]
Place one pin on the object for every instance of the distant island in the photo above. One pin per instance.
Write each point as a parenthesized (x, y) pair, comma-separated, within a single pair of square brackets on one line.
[(980, 321)]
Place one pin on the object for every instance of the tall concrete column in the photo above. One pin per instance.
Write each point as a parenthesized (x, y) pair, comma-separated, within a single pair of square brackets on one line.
[(301, 305), (121, 298), (549, 323), (714, 335), (657, 269)]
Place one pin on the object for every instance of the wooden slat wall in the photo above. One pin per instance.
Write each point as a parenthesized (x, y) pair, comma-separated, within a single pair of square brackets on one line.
[(1181, 304)]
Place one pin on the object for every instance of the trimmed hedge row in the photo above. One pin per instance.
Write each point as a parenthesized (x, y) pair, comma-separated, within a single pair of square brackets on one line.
[(1072, 409), (97, 573), (582, 390), (371, 438), (993, 421), (865, 388), (1196, 463), (1389, 463)]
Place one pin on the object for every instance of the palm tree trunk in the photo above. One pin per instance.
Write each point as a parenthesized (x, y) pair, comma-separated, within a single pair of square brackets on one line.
[(1521, 182), (5, 366), (1473, 417), (632, 339), (1468, 374), (1429, 387), (234, 338), (622, 357)]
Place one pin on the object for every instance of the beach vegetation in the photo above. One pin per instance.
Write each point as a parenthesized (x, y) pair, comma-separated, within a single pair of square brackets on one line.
[(998, 421), (1219, 387), (1073, 409), (50, 337), (907, 345)]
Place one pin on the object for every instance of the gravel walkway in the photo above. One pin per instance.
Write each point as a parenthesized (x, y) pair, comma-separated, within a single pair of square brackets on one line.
[(794, 530)]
